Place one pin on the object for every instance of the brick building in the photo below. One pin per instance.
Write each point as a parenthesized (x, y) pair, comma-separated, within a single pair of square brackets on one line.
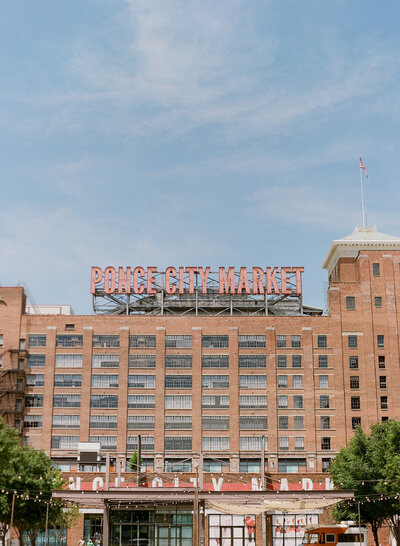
[(221, 384)]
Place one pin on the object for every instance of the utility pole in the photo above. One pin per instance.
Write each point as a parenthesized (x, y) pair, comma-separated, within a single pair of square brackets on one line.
[(139, 459), (196, 511), (47, 524), (12, 513)]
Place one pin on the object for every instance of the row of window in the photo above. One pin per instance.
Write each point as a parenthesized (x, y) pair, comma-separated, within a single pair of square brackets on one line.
[(351, 302)]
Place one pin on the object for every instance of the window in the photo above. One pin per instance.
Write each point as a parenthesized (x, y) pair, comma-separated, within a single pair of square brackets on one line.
[(380, 339), (378, 301), (322, 342), (68, 361), (66, 421), (104, 401), (252, 361), (178, 443), (64, 442), (353, 362), (282, 361), (355, 422), (178, 401), (298, 422), (296, 341), (299, 443), (324, 401), (177, 465), (141, 381), (282, 381), (251, 342), (282, 402), (106, 442), (325, 464), (179, 422), (252, 381), (384, 402), (354, 382), (325, 443), (215, 342), (215, 443), (35, 380), (384, 418), (105, 361), (178, 361), (1, 340), (250, 465), (352, 342), (69, 340), (280, 341), (67, 380), (178, 381), (141, 401), (34, 401), (284, 443), (146, 442), (103, 421), (297, 381), (253, 422), (291, 466), (252, 401), (105, 341), (325, 422), (142, 342), (215, 381), (22, 344), (141, 422), (178, 342), (37, 340), (298, 401), (322, 361), (350, 303), (105, 381), (215, 361), (381, 361), (36, 360), (70, 326), (215, 402), (376, 270), (142, 361), (32, 421), (283, 422), (211, 422), (252, 443), (355, 403), (296, 361), (67, 401)]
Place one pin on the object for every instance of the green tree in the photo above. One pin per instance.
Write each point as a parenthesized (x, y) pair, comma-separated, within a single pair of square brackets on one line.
[(133, 461), (9, 448)]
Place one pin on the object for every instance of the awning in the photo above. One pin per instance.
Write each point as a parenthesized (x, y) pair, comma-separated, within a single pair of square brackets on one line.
[(279, 506)]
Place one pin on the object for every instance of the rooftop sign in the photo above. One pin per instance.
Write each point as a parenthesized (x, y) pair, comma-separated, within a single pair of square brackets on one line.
[(189, 279)]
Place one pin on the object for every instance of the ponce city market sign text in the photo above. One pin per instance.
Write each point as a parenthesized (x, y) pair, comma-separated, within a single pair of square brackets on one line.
[(181, 280)]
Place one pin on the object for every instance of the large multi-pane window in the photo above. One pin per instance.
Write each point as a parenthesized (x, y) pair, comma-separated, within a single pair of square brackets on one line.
[(64, 442), (32, 421), (215, 422), (67, 380), (252, 361), (253, 422), (283, 443), (281, 341), (69, 340), (105, 361), (297, 381), (141, 422), (213, 465), (106, 442), (178, 361), (34, 401), (282, 361), (282, 401), (178, 342), (215, 443), (354, 382), (325, 443), (104, 401), (103, 421), (353, 362), (350, 303), (381, 361), (142, 361), (141, 401), (215, 381), (35, 379), (355, 403), (282, 382), (141, 381), (215, 342), (105, 341), (178, 381), (37, 340), (291, 466), (384, 403), (380, 340), (68, 360), (382, 382), (376, 269), (215, 402), (142, 341), (252, 443), (296, 341), (298, 401), (67, 401), (66, 421), (252, 381), (36, 360), (296, 361), (105, 381), (178, 401), (299, 443), (325, 422), (352, 342), (178, 422), (283, 422), (215, 361), (298, 422), (324, 401), (146, 443), (178, 443), (178, 465), (323, 381), (322, 361), (355, 422), (247, 342), (378, 301), (252, 401)]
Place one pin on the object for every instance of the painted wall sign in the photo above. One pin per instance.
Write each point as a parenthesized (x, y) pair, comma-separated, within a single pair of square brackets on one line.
[(181, 280)]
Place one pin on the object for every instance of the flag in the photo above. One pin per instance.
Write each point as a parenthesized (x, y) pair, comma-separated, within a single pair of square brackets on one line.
[(362, 166)]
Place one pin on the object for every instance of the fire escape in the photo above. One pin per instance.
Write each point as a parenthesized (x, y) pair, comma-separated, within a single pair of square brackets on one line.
[(12, 387)]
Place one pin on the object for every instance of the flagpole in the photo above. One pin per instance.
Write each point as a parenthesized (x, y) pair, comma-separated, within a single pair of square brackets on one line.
[(362, 197)]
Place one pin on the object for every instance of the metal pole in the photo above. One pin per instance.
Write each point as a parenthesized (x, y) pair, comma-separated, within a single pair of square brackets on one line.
[(262, 473), (359, 521), (12, 513), (47, 524), (139, 459), (196, 511), (107, 486), (362, 199)]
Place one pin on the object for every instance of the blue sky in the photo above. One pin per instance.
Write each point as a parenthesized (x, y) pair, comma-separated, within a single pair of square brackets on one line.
[(192, 133)]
